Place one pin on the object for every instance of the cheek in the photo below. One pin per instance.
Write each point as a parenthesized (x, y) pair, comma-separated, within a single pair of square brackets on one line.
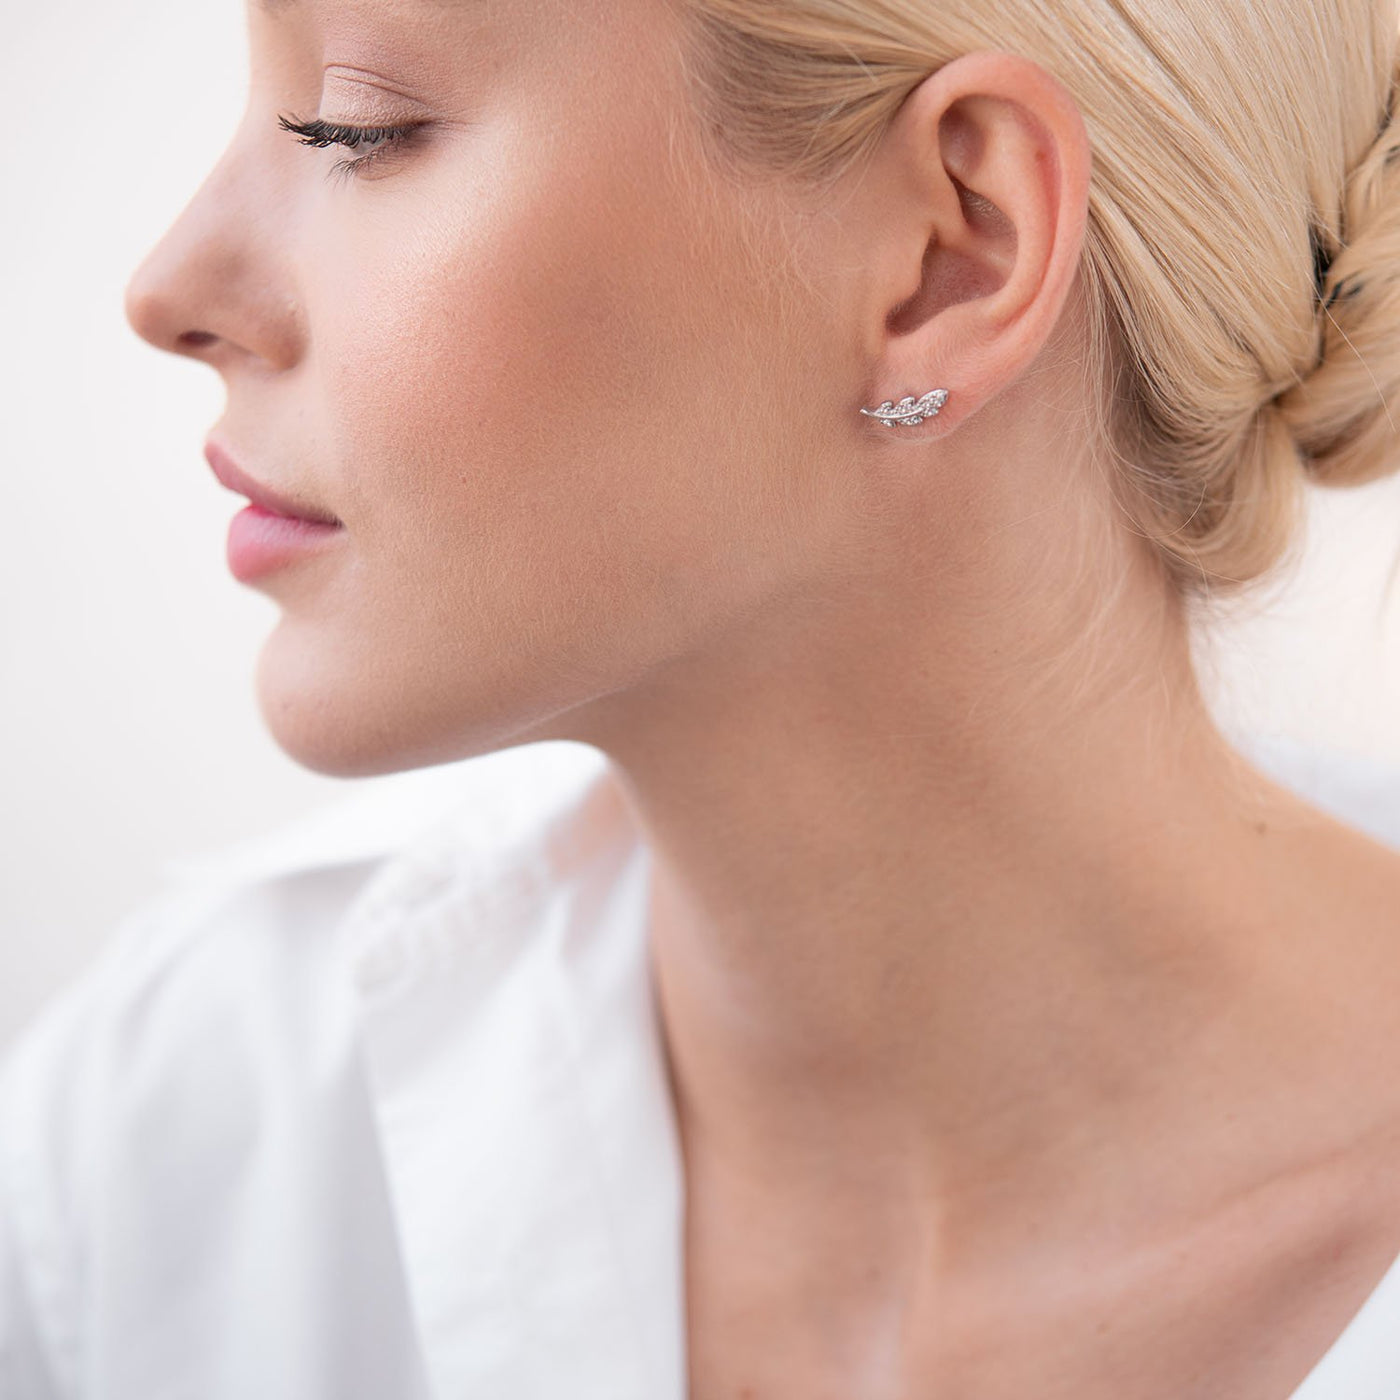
[(520, 400), (549, 416)]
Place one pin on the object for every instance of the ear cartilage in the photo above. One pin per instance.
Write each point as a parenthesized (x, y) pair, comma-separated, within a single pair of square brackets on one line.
[(908, 410)]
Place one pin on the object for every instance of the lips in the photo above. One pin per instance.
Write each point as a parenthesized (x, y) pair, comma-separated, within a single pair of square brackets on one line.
[(231, 475)]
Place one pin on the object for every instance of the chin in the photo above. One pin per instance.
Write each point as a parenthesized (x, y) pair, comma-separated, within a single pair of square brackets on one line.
[(318, 741), (364, 721), (324, 717)]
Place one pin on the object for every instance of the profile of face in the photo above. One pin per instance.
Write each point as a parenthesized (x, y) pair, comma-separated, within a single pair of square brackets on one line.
[(555, 380)]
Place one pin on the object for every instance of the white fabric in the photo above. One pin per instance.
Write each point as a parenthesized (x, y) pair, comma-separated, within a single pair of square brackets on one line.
[(376, 1109)]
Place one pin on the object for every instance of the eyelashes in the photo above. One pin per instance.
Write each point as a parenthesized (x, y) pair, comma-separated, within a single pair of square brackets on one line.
[(321, 134)]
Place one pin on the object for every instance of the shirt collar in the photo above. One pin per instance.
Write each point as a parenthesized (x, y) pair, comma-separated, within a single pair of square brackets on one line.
[(515, 1063)]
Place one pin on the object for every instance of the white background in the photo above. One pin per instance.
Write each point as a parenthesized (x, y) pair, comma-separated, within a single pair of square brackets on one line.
[(130, 731)]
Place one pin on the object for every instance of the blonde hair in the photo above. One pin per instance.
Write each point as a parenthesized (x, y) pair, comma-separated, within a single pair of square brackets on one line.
[(1241, 261)]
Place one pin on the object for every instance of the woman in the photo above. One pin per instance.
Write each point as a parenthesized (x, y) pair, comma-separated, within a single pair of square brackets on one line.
[(834, 414)]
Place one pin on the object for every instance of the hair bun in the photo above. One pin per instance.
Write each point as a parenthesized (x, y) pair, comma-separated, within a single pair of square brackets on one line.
[(1339, 415)]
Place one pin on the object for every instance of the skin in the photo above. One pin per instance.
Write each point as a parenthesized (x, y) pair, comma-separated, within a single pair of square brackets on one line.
[(995, 985)]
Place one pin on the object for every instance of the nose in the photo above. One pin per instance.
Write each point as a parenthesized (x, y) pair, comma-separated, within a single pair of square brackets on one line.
[(217, 286)]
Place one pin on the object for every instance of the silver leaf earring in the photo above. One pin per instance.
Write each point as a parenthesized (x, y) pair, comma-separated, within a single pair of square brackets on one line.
[(909, 410)]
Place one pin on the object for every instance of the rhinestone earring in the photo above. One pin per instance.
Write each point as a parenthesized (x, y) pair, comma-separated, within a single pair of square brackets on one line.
[(908, 410)]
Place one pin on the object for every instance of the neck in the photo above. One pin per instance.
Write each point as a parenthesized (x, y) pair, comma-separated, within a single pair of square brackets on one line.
[(960, 896), (932, 942)]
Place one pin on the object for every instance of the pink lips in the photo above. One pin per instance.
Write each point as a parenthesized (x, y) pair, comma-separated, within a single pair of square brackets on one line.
[(274, 530)]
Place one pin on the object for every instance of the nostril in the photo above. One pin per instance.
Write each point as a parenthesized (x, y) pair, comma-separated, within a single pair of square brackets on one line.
[(195, 339)]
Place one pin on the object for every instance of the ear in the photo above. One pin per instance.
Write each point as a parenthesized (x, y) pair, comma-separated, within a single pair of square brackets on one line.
[(976, 223)]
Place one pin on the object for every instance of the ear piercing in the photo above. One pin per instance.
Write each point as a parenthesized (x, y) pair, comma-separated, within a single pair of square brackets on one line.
[(908, 410)]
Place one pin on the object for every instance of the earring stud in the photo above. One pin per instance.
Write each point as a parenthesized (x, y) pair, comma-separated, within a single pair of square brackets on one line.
[(908, 410)]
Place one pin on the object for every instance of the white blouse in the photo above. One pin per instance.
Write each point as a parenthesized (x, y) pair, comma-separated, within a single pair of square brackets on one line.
[(376, 1109)]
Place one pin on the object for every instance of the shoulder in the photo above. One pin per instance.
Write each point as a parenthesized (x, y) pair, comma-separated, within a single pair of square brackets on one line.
[(1360, 789), (210, 1044), (160, 1059), (245, 938)]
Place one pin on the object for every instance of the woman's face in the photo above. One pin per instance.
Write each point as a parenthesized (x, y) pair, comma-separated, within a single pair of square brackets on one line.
[(554, 379)]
